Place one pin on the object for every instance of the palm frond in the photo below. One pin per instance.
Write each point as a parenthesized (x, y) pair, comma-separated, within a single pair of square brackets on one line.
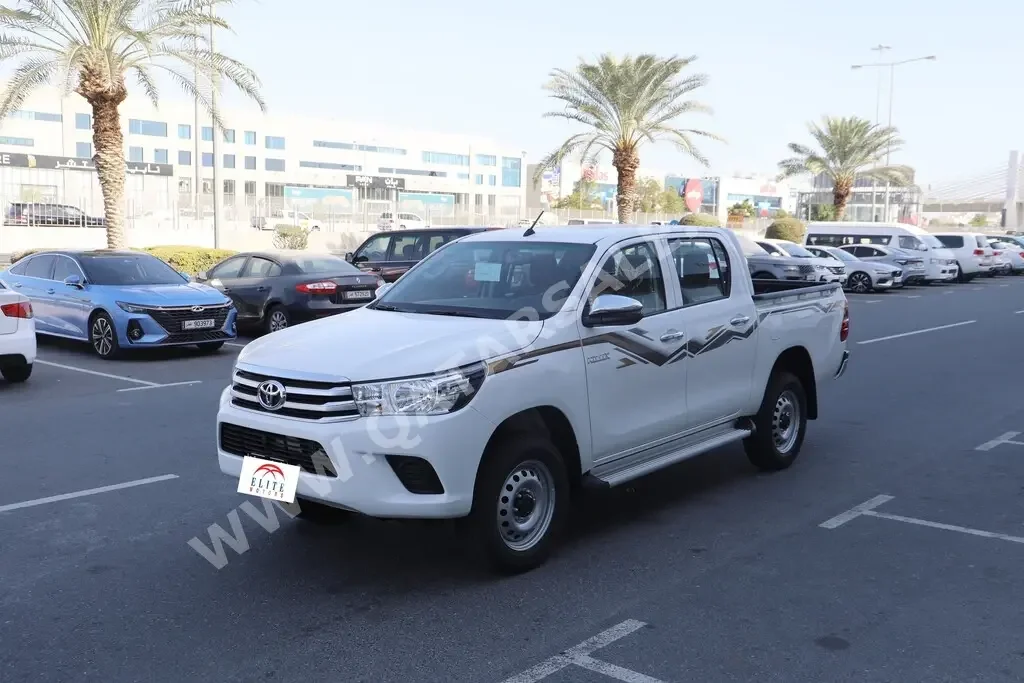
[(846, 148)]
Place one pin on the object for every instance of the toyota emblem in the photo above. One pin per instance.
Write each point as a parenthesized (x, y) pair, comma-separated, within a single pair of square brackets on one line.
[(198, 309), (271, 394)]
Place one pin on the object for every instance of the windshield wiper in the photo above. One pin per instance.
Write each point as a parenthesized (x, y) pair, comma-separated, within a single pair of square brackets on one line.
[(386, 307), (457, 314)]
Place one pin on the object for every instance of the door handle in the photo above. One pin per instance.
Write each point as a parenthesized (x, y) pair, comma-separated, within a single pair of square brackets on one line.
[(740, 320), (261, 289), (18, 285), (672, 336), (49, 291)]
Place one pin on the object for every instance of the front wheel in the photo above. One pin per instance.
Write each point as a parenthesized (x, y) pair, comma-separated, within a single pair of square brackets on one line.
[(519, 503), (16, 373), (859, 282), (103, 337), (780, 425)]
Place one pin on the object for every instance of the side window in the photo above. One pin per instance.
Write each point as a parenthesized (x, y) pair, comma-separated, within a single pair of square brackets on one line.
[(261, 267), (697, 266), (871, 251), (909, 242), (403, 248), (856, 251), (951, 241), (435, 241), (231, 268), (40, 266), (19, 267), (634, 272), (65, 267), (374, 250)]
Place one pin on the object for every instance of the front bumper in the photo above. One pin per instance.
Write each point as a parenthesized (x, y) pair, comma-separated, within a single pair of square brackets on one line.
[(941, 272), (358, 451), (169, 332)]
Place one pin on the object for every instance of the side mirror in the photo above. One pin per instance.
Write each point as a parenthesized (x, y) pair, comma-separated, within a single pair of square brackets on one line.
[(201, 276), (613, 310), (360, 259), (74, 281), (383, 289), (348, 257)]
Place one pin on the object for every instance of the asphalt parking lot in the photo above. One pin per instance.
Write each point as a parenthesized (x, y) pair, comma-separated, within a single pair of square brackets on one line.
[(889, 553)]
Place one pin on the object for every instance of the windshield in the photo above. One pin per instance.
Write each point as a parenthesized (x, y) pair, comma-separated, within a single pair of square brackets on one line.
[(326, 264), (749, 246), (128, 269), (795, 250), (842, 255), (498, 280), (912, 243), (932, 241)]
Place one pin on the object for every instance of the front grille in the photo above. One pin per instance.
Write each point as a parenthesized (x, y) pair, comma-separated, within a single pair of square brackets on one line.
[(837, 270), (290, 450), (171, 320), (416, 474), (806, 269), (304, 399)]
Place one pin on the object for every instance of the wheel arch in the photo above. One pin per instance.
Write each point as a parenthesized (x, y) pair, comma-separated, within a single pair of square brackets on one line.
[(547, 420), (797, 361)]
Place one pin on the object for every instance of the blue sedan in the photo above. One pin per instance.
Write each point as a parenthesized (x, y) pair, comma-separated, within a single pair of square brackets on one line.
[(119, 300)]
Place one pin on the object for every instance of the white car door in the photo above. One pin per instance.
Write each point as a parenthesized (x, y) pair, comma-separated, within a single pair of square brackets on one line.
[(637, 394), (721, 350)]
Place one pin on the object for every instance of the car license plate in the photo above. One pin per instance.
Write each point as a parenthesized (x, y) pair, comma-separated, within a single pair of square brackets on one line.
[(358, 295), (268, 479), (205, 324)]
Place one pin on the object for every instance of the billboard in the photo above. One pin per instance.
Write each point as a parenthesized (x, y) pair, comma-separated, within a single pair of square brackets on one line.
[(709, 188), (335, 196), (427, 203)]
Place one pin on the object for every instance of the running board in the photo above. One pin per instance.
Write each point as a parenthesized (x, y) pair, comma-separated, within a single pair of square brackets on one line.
[(619, 472)]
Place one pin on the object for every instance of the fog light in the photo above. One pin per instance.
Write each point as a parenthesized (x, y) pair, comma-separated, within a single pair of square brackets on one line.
[(135, 332)]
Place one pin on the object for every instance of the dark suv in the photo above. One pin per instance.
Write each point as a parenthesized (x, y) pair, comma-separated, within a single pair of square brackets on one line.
[(40, 213), (389, 254)]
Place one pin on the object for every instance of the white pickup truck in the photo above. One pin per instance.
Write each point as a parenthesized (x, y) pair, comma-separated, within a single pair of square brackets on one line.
[(509, 368)]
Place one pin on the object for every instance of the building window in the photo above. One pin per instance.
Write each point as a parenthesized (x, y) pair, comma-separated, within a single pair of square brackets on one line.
[(207, 133), (20, 142), (373, 149), (134, 154), (184, 131), (329, 166), (250, 188), (207, 185), (83, 122), (413, 171), (511, 172), (229, 187), (273, 164), (184, 157), (273, 190), (140, 127), (463, 176), (446, 158), (250, 138), (160, 156), (229, 136), (479, 180), (250, 163), (486, 160), (229, 161), (83, 150), (208, 159), (274, 142), (184, 185), (35, 116), (492, 180)]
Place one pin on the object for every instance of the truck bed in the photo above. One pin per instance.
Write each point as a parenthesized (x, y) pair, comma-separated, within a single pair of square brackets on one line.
[(776, 291)]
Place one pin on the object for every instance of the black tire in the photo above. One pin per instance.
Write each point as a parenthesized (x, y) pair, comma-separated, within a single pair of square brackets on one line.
[(763, 276), (961, 276), (863, 280), (276, 318), (762, 449), (103, 336), (319, 513), (16, 373), (522, 466), (210, 347)]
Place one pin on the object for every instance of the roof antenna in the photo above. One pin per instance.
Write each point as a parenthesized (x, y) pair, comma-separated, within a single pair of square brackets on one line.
[(530, 230)]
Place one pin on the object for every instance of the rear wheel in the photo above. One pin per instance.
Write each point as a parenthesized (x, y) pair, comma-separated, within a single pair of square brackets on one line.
[(780, 425), (961, 276), (276, 319), (16, 372), (103, 337), (859, 282)]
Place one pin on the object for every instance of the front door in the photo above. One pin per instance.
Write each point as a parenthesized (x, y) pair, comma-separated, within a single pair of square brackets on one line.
[(373, 254), (404, 253), (722, 346), (252, 288), (72, 305), (637, 394), (225, 277)]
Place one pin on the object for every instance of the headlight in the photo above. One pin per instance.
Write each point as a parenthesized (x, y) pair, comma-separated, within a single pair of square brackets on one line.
[(791, 269), (427, 395), (131, 308), (820, 268)]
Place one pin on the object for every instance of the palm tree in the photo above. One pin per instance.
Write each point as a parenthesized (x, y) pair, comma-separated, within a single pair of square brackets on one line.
[(624, 103), (91, 46), (848, 149)]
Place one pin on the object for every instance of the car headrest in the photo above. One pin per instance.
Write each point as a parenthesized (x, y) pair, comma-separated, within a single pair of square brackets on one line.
[(696, 269)]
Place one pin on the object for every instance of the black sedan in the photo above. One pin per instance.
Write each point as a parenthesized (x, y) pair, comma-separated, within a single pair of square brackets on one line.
[(274, 289)]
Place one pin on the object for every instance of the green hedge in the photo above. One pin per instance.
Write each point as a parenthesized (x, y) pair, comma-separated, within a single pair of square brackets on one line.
[(190, 260), (703, 220), (787, 228), (290, 237)]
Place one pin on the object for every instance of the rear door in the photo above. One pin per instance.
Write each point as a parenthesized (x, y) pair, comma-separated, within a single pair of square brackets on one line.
[(38, 286), (225, 277), (404, 252), (252, 289)]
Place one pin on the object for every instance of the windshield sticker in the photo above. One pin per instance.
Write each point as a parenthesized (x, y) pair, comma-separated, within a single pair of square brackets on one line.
[(487, 272)]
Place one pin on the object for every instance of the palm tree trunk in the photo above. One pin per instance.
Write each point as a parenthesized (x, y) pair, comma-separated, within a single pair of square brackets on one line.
[(109, 159), (626, 163), (840, 197)]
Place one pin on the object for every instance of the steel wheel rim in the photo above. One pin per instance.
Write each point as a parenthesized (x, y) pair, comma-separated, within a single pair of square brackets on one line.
[(786, 422), (278, 321), (102, 336), (860, 283), (526, 505)]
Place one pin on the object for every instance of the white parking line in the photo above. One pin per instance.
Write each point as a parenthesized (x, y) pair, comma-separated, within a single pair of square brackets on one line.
[(162, 386), (910, 334), (98, 374), (580, 656), (87, 492), (999, 441), (1018, 312), (241, 346), (854, 512)]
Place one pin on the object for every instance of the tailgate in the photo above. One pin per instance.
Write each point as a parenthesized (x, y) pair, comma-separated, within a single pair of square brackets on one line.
[(9, 325)]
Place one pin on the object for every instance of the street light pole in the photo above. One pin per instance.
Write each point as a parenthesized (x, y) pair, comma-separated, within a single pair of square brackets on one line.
[(217, 189), (892, 81), (880, 49)]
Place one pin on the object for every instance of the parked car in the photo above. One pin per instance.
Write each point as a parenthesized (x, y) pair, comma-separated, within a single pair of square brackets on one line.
[(1008, 259), (971, 251), (834, 270), (635, 356), (50, 214), (863, 276), (120, 300), (17, 336), (403, 221), (389, 254), (939, 262), (766, 266), (282, 217), (914, 269), (274, 289)]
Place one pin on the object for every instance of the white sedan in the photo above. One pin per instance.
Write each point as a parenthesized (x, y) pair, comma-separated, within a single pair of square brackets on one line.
[(17, 336), (1010, 255)]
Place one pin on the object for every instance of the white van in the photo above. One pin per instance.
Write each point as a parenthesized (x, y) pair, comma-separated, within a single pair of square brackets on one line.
[(590, 221), (939, 261)]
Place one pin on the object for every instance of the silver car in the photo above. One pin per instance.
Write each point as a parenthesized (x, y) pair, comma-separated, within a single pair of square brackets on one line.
[(828, 268), (914, 269), (863, 276)]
